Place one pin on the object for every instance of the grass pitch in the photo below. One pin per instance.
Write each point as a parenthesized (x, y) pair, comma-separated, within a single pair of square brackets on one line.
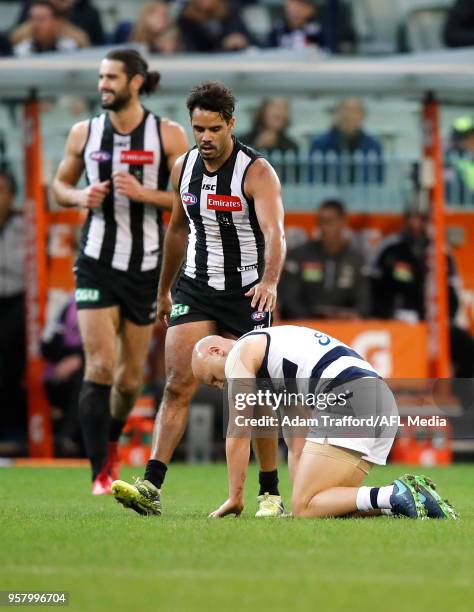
[(55, 536)]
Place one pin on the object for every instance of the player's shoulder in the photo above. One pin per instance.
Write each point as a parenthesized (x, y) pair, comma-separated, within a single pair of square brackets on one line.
[(78, 136), (252, 153), (81, 128), (245, 356), (250, 341), (168, 126), (260, 170), (178, 167)]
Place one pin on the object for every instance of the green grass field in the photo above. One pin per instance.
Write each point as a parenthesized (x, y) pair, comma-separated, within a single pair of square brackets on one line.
[(55, 536)]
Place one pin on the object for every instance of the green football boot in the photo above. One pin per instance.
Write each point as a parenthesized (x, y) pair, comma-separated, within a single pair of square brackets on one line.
[(435, 505), (142, 496)]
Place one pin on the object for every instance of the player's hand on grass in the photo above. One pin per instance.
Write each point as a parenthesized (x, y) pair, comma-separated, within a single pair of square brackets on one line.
[(94, 195), (127, 185), (230, 506), (164, 306), (263, 296)]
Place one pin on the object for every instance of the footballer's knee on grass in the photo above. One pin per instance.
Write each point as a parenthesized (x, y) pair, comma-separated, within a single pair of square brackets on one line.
[(325, 485)]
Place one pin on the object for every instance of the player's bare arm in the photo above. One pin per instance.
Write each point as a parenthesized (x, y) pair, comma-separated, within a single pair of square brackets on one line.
[(174, 246), (70, 170), (243, 365), (263, 185), (175, 143)]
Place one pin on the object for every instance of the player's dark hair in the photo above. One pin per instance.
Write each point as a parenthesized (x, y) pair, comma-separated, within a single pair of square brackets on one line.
[(335, 205), (212, 96), (134, 64), (52, 7), (11, 180)]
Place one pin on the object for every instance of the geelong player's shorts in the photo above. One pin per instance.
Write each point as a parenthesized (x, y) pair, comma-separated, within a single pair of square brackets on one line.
[(232, 311), (101, 286), (370, 404)]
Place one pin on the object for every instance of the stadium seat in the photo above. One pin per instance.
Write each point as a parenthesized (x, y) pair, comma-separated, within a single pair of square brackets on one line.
[(422, 24), (376, 22), (257, 19)]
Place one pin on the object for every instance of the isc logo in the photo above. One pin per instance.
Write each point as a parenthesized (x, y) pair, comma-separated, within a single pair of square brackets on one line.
[(208, 187)]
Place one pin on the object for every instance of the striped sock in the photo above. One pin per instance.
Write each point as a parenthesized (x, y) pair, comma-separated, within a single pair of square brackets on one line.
[(374, 498)]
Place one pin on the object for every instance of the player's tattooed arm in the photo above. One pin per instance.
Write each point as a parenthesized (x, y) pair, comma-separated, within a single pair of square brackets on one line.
[(176, 238), (175, 144), (70, 170), (262, 184)]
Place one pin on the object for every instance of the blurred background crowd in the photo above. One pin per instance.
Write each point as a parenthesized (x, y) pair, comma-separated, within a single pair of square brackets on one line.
[(336, 157), (209, 26)]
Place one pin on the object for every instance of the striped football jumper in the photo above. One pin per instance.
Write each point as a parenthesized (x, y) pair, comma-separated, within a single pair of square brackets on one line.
[(225, 244), (122, 233)]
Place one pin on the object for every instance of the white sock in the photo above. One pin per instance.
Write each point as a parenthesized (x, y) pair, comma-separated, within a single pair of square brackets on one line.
[(383, 497), (386, 511), (363, 499)]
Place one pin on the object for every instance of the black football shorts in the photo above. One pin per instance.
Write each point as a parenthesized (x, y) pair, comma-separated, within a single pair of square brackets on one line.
[(231, 310), (101, 286)]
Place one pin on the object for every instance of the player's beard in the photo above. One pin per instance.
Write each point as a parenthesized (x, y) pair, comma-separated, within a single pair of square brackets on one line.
[(119, 101)]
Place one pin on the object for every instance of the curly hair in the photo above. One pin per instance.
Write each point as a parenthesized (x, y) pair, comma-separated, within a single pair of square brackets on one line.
[(212, 96)]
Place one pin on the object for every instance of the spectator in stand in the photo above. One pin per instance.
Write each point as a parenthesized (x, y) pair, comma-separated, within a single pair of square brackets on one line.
[(46, 31), (12, 309), (459, 26), (299, 27), (156, 29), (399, 287), (212, 26), (325, 278), (82, 21), (459, 163), (268, 132), (62, 348), (346, 154)]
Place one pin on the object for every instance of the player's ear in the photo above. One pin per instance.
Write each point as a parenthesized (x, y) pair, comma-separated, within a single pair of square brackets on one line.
[(136, 82), (216, 351), (231, 123)]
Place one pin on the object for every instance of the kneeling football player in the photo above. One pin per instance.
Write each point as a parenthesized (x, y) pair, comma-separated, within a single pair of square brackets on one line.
[(329, 473)]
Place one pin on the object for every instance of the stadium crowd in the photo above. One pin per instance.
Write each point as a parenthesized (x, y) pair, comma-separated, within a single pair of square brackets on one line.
[(205, 26)]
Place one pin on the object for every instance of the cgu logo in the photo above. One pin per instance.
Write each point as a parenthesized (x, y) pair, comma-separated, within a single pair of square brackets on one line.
[(189, 198)]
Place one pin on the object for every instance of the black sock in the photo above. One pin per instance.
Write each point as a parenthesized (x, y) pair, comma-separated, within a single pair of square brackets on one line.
[(374, 491), (155, 472), (268, 482), (115, 430), (94, 416)]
